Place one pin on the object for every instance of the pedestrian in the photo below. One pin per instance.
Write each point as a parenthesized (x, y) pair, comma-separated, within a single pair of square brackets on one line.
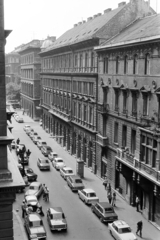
[(18, 141), (108, 187), (109, 196), (114, 200), (105, 183), (23, 208), (40, 211), (28, 152), (29, 209), (137, 203), (139, 228)]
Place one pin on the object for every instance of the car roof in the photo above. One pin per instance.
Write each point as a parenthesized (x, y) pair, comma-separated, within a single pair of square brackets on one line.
[(53, 153), (42, 159), (88, 190), (27, 126), (58, 158), (67, 168), (30, 197), (75, 177), (34, 217), (105, 204), (56, 210), (121, 224), (35, 184)]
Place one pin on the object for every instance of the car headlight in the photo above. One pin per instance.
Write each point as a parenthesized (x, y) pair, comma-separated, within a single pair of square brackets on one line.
[(32, 236)]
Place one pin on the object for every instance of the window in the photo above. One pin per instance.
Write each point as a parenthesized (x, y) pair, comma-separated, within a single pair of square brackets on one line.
[(147, 65), (79, 87), (105, 65), (86, 60), (149, 150), (124, 102), (133, 141), (75, 86), (74, 109), (85, 113), (134, 104), (145, 104), (91, 89), (116, 132), (75, 61), (124, 136), (92, 60), (135, 64), (126, 64), (117, 64), (91, 115), (116, 100), (81, 61), (79, 110), (85, 90)]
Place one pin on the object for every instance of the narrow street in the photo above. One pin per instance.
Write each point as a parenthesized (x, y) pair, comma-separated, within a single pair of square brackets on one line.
[(82, 224)]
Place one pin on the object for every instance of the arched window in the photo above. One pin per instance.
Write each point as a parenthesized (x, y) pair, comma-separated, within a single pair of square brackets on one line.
[(135, 64), (126, 64), (117, 64), (147, 65)]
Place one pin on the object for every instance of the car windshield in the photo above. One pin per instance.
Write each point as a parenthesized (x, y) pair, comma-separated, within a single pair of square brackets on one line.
[(44, 161), (29, 171), (91, 195), (56, 216), (43, 142), (36, 223), (59, 160), (124, 230), (49, 148), (78, 181), (69, 171), (108, 210), (33, 187)]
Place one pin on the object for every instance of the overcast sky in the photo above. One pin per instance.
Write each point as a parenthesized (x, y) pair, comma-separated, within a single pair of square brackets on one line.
[(36, 19)]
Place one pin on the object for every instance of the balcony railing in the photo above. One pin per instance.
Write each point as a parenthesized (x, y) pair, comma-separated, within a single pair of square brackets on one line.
[(74, 69), (103, 141), (142, 167)]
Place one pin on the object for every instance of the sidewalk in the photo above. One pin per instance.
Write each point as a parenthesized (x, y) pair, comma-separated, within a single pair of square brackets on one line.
[(18, 228), (123, 209)]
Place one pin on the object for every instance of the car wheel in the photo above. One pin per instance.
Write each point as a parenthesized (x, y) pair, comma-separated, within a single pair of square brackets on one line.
[(110, 232)]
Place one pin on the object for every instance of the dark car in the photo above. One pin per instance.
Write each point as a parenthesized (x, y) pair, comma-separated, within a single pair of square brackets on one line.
[(19, 147), (75, 183), (24, 161), (46, 150), (30, 174), (104, 211)]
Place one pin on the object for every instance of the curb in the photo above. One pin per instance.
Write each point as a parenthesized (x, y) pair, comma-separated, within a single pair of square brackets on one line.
[(20, 225)]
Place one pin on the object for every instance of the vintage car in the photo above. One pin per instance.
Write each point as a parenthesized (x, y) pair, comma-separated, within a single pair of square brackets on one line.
[(43, 164), (75, 183), (35, 188), (88, 196), (58, 163), (66, 172), (56, 219)]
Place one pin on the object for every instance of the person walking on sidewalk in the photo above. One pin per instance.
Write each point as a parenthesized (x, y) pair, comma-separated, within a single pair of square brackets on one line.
[(114, 200), (23, 208), (18, 141), (105, 183), (139, 228), (137, 203), (109, 196)]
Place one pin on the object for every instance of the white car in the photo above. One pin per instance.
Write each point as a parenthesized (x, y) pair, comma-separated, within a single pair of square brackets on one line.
[(66, 172), (52, 156), (26, 127), (41, 143), (120, 230), (31, 200), (58, 163), (36, 139), (88, 196), (35, 188)]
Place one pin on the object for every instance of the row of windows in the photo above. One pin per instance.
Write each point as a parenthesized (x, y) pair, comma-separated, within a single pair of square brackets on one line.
[(83, 87), (12, 60), (83, 112), (127, 62), (29, 58), (27, 73), (67, 61), (57, 84), (56, 100), (27, 89)]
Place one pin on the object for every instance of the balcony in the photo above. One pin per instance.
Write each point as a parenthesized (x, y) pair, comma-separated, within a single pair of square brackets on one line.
[(103, 141), (141, 167), (58, 113), (103, 108)]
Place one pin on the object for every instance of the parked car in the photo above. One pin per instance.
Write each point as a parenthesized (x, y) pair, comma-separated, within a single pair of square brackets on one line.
[(15, 115), (120, 230), (36, 139), (46, 150), (35, 188), (33, 134), (88, 196), (52, 156), (24, 161), (58, 163), (19, 147), (34, 226), (104, 211), (20, 120), (29, 130), (66, 172), (56, 219), (31, 175), (41, 143), (26, 127), (43, 164), (13, 144), (75, 183), (31, 200)]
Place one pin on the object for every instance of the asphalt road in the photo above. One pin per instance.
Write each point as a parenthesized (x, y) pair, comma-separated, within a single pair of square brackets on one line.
[(82, 223)]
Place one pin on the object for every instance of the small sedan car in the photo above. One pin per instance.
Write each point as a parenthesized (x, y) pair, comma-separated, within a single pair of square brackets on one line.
[(36, 139), (104, 211), (26, 127), (52, 156), (58, 163), (30, 174), (66, 172), (20, 120), (120, 230), (43, 164), (33, 134), (31, 200), (35, 188), (29, 130), (41, 143), (88, 196), (75, 183), (46, 150), (34, 226), (56, 219)]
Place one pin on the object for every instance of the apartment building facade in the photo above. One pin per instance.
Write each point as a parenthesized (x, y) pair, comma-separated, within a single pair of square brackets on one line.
[(12, 67), (69, 79), (128, 114)]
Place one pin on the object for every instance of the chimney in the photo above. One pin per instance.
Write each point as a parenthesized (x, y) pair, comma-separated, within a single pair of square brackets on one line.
[(89, 19), (121, 4), (107, 10), (83, 21), (94, 16), (99, 14), (75, 25), (79, 23)]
